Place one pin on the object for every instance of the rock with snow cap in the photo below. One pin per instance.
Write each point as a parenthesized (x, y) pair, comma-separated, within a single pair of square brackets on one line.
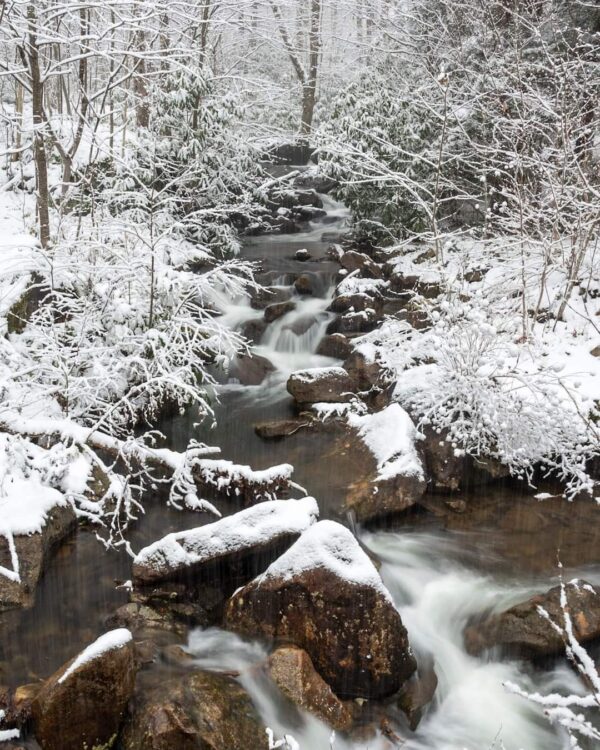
[(397, 480), (321, 384), (83, 703), (325, 596), (525, 631), (264, 526)]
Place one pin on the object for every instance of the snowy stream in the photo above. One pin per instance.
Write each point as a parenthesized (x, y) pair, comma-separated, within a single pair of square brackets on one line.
[(441, 570)]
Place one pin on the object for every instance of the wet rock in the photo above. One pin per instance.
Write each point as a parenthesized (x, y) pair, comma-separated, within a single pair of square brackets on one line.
[(353, 261), (364, 371), (523, 631), (269, 295), (335, 345), (22, 701), (311, 179), (294, 153), (357, 302), (355, 322), (278, 310), (215, 552), (33, 552), (251, 369), (286, 224), (83, 703), (302, 255), (253, 329), (328, 384), (305, 284), (282, 428), (292, 670), (394, 479), (417, 694), (199, 711), (175, 655), (325, 596), (142, 619), (449, 472), (308, 213)]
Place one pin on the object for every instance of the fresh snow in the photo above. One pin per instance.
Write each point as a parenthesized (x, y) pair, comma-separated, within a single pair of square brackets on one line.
[(390, 435), (314, 374), (110, 641), (241, 531), (332, 546)]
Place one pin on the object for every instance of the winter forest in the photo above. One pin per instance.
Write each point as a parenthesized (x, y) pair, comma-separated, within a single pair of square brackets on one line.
[(299, 374)]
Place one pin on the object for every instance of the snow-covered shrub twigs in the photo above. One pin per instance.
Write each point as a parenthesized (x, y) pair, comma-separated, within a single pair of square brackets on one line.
[(576, 714)]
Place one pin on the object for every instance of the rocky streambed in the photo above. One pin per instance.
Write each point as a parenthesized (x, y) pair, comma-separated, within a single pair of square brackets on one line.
[(390, 608)]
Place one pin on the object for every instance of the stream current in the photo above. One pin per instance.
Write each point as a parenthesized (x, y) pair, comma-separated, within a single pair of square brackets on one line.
[(442, 569)]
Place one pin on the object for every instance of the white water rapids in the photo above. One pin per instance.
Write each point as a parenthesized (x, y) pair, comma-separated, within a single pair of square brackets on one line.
[(434, 587)]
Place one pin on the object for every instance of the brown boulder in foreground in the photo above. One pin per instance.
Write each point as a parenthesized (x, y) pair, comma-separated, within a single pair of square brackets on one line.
[(325, 596), (82, 704)]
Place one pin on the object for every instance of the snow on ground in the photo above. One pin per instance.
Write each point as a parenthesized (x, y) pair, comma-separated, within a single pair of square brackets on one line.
[(242, 531), (327, 545), (391, 436), (110, 641)]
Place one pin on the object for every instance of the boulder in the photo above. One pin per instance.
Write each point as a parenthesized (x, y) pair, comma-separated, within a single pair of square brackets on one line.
[(269, 295), (334, 345), (523, 631), (33, 551), (292, 670), (364, 371), (355, 322), (329, 384), (357, 302), (253, 329), (142, 620), (396, 480), (312, 179), (278, 310), (405, 282), (325, 596), (353, 261), (308, 213), (83, 703), (302, 255), (304, 284), (266, 529), (198, 711), (294, 153), (282, 428), (250, 369), (417, 694)]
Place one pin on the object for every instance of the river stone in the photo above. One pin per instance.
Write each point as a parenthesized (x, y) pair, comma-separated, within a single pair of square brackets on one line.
[(251, 369), (82, 705), (355, 322), (364, 371), (325, 596), (207, 550), (292, 670), (199, 711), (322, 384), (282, 428), (33, 551), (278, 310), (305, 284), (269, 295), (254, 329), (523, 631), (357, 302), (417, 694), (353, 261), (334, 345)]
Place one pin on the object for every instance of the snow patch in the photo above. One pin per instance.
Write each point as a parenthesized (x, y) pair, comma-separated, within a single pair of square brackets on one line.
[(110, 641)]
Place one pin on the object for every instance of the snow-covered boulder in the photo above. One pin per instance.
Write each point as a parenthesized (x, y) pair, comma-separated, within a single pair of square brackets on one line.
[(34, 519), (397, 480), (325, 596), (321, 384), (524, 631), (261, 529), (83, 703), (198, 711)]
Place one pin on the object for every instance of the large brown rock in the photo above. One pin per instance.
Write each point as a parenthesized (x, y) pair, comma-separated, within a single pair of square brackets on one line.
[(292, 670), (33, 552), (523, 631), (251, 369), (82, 705), (278, 310), (198, 711), (325, 596), (353, 261), (365, 371), (322, 384), (335, 345)]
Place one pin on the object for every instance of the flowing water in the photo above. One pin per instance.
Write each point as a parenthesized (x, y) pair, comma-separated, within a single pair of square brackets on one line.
[(442, 569)]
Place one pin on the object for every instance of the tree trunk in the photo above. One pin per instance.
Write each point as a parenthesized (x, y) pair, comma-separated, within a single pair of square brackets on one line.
[(309, 88), (39, 146)]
